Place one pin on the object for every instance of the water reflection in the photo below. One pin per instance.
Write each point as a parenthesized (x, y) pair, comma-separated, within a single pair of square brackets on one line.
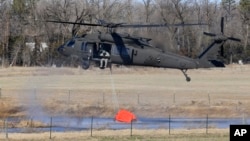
[(62, 124)]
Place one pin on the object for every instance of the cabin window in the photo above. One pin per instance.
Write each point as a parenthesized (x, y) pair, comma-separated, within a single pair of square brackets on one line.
[(105, 46), (71, 43), (84, 47)]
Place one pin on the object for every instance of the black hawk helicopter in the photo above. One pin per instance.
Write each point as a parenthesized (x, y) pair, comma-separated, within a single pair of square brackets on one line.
[(115, 48)]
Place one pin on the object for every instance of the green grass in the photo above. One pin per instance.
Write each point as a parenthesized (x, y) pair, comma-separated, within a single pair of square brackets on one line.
[(124, 135), (192, 137)]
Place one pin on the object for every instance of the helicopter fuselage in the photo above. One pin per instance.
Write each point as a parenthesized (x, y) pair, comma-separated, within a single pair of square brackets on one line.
[(125, 54), (124, 49)]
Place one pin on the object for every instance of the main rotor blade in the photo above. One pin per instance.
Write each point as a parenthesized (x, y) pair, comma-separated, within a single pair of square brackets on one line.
[(123, 25), (234, 39), (222, 25), (209, 34), (155, 25), (87, 24)]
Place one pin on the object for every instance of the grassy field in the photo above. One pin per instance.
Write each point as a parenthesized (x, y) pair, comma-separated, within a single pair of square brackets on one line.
[(124, 135), (148, 92)]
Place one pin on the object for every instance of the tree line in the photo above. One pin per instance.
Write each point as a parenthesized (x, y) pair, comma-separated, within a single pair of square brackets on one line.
[(22, 22)]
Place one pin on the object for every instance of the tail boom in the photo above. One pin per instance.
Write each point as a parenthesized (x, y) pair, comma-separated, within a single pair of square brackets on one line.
[(209, 57)]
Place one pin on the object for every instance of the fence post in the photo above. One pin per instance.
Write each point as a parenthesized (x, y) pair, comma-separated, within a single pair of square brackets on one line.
[(207, 125), (69, 97), (131, 128), (91, 127), (50, 130), (31, 122), (169, 126), (6, 128), (209, 99), (3, 126)]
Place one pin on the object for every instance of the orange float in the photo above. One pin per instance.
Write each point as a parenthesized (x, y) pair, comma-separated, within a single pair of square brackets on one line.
[(125, 116)]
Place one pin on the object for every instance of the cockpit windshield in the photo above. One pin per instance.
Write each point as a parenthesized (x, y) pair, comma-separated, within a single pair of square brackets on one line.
[(71, 43)]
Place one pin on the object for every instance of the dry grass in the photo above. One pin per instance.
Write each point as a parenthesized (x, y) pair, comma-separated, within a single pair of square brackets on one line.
[(147, 92), (124, 135)]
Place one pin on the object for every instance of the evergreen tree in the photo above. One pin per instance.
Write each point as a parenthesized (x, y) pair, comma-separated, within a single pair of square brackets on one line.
[(229, 6), (245, 7), (245, 14), (18, 6)]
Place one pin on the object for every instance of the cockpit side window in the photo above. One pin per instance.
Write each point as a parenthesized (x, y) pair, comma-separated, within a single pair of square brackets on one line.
[(71, 43), (85, 46)]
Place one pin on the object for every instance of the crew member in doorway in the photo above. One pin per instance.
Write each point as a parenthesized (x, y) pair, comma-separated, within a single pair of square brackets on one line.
[(104, 58)]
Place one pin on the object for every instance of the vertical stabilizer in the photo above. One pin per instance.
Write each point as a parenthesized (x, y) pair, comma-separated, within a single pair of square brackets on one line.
[(210, 57)]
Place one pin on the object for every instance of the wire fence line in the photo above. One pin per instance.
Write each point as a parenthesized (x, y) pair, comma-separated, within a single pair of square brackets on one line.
[(92, 124), (66, 99), (51, 124), (173, 97)]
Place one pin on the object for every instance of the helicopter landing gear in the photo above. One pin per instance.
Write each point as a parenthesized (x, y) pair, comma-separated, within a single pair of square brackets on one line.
[(85, 64), (184, 71)]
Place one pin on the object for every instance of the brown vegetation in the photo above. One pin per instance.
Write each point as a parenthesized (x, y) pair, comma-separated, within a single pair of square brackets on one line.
[(23, 22), (147, 92)]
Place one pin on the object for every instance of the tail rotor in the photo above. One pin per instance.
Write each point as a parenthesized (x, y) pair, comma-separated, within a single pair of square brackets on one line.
[(221, 37)]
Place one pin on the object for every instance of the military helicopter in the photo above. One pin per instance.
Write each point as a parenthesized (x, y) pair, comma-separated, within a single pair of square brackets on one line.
[(115, 48)]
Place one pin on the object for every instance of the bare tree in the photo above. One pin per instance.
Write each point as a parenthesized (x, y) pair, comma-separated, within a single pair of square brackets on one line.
[(5, 28), (21, 22), (245, 16), (148, 6)]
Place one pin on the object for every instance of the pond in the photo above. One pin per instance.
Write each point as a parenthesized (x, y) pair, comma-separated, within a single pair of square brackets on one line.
[(63, 124)]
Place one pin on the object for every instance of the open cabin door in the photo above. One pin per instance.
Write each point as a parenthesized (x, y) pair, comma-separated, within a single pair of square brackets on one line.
[(87, 50)]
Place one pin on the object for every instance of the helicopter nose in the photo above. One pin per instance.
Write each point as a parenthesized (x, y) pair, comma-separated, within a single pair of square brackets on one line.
[(61, 50)]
